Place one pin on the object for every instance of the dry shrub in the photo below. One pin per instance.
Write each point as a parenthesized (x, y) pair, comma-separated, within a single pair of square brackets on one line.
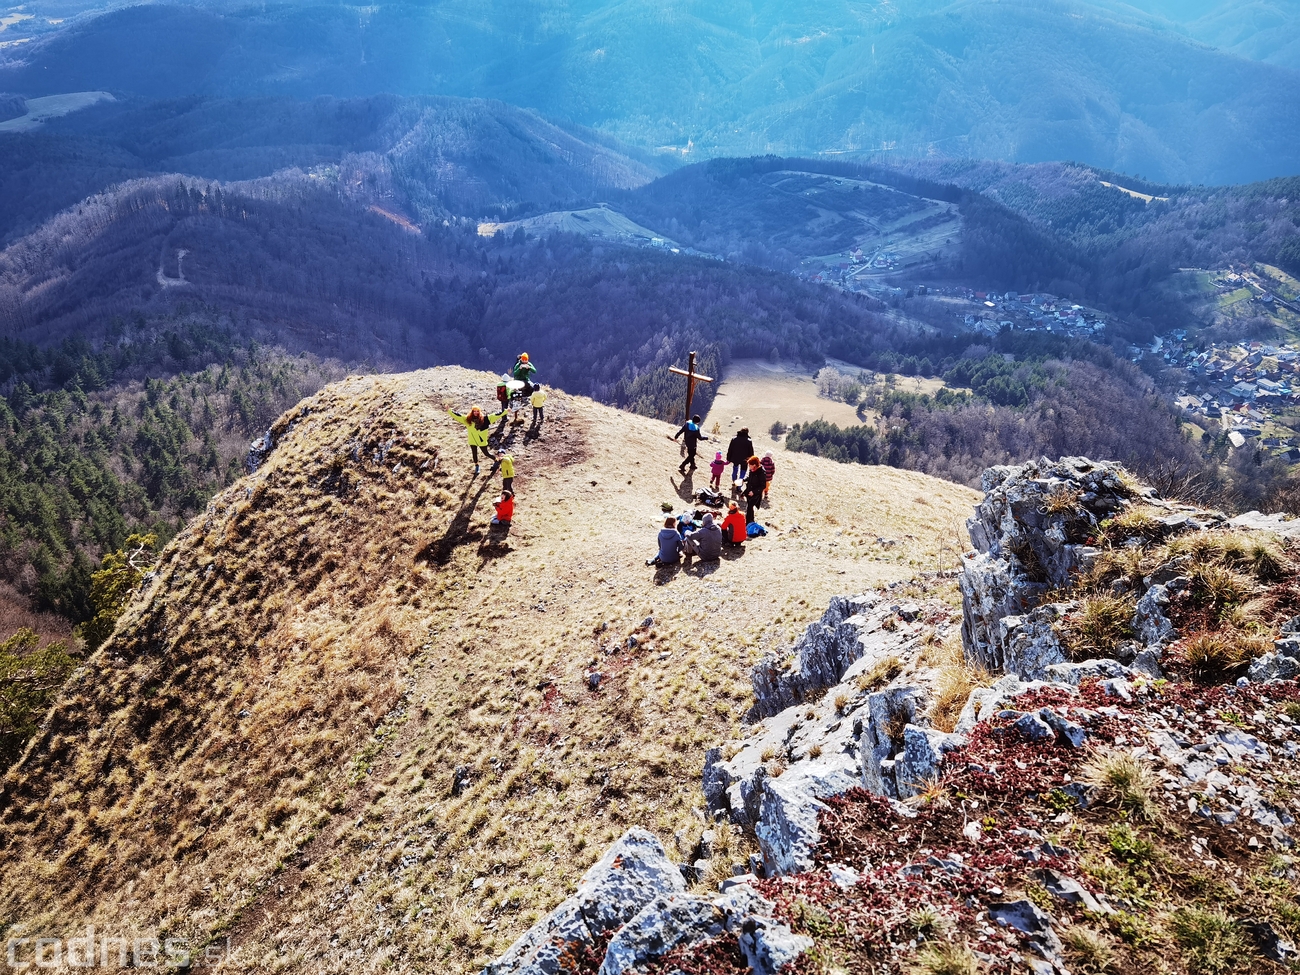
[(1089, 950), (1218, 587), (1135, 523), (953, 691), (1064, 501), (945, 958)]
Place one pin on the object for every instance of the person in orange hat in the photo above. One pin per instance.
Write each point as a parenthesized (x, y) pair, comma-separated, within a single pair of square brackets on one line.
[(524, 371)]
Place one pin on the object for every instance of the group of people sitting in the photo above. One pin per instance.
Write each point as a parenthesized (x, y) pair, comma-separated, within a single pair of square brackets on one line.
[(681, 537)]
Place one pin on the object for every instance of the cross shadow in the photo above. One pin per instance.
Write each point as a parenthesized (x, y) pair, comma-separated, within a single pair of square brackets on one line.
[(458, 532)]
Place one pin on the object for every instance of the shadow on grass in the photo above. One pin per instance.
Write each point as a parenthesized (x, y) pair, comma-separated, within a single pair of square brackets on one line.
[(459, 531), (685, 490)]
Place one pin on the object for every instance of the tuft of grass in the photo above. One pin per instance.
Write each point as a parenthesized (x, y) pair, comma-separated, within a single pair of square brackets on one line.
[(1266, 563), (1215, 656), (1292, 710), (1064, 501), (842, 700), (1135, 523), (1125, 781), (1219, 587), (1100, 625), (1089, 950), (945, 958), (1129, 846), (881, 674), (1212, 942)]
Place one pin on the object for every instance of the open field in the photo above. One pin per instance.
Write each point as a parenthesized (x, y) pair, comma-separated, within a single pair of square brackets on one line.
[(756, 393), (53, 106)]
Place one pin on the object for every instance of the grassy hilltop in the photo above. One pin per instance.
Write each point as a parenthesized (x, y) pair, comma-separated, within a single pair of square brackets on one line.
[(267, 747)]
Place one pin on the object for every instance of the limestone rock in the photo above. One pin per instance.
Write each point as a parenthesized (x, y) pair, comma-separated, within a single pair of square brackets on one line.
[(662, 925), (1150, 622), (923, 754), (633, 872)]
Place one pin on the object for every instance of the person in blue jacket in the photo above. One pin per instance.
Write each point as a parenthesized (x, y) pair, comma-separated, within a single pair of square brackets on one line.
[(670, 544), (692, 435)]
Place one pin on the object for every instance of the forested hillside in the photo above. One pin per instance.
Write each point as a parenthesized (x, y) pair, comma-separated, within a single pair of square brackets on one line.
[(1017, 81), (92, 450), (434, 156)]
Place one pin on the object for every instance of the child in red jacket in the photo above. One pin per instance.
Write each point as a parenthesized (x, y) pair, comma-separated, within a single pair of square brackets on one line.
[(505, 508)]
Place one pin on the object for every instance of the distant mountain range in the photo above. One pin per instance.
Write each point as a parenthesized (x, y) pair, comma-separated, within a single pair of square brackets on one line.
[(1122, 88)]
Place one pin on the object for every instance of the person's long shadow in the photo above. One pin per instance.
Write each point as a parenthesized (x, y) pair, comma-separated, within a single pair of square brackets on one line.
[(701, 569), (685, 490), (458, 532)]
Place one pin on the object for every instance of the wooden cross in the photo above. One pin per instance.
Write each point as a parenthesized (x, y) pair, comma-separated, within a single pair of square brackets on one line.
[(692, 377)]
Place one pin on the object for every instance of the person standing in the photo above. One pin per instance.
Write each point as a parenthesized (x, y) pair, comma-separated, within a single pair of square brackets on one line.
[(715, 471), (769, 468), (524, 371), (739, 451), (507, 464), (538, 399), (477, 424), (755, 485), (693, 436)]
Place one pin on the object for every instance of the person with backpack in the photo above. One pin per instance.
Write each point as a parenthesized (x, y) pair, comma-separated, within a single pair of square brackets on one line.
[(693, 436), (739, 451), (755, 485), (734, 530), (477, 424)]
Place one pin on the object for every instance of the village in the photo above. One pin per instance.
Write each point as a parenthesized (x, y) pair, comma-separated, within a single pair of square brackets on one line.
[(1242, 394)]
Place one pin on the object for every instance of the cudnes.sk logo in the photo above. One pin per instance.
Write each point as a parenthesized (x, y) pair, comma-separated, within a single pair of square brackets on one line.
[(110, 951)]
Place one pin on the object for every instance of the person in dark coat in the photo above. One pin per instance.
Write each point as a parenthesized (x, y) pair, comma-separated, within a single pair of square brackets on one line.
[(755, 485), (706, 541), (692, 436), (739, 451)]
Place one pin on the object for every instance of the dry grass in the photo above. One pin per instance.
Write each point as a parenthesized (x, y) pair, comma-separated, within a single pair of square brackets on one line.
[(1124, 781), (1099, 626), (1090, 952), (1063, 501), (881, 673), (312, 666), (1220, 655), (944, 958)]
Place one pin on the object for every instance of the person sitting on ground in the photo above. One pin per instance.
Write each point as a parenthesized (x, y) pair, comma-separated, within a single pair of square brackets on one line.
[(755, 485), (670, 544), (685, 524), (769, 468), (734, 531), (505, 508), (706, 541)]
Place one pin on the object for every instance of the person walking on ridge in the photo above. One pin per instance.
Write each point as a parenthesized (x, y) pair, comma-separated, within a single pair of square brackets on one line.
[(477, 424), (739, 451), (693, 436)]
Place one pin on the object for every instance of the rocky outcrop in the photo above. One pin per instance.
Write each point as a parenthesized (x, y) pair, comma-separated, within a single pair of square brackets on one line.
[(634, 901), (632, 873), (869, 626), (1034, 530)]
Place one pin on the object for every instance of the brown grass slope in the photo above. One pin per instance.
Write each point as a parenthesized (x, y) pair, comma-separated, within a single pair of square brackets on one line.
[(265, 750)]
